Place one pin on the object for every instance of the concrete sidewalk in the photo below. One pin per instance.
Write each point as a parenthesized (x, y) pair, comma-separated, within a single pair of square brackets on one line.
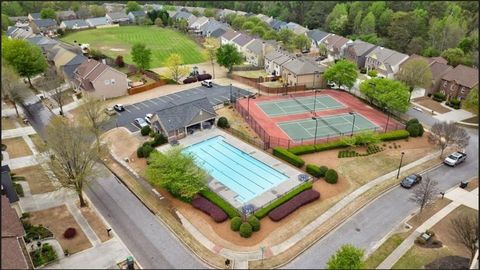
[(458, 196), (18, 132)]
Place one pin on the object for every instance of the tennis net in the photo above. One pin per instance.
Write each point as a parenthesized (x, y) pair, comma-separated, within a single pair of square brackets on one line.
[(330, 126), (298, 101)]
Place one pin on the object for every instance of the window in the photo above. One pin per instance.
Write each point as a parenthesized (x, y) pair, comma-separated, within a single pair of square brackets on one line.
[(445, 83), (463, 90), (452, 86)]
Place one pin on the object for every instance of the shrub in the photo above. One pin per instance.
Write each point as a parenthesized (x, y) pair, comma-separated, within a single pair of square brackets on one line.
[(159, 139), (323, 170), (145, 130), (429, 95), (190, 80), (245, 230), (43, 255), (151, 134), (119, 61), (209, 208), (147, 150), (203, 77), (264, 211), (296, 202), (70, 233), (430, 232), (302, 149), (439, 97), (420, 241), (140, 152), (235, 224), (307, 149), (363, 70), (284, 154), (372, 149), (394, 135), (19, 189), (331, 176), (415, 130), (223, 122), (372, 73), (220, 202), (412, 121), (254, 222), (313, 170)]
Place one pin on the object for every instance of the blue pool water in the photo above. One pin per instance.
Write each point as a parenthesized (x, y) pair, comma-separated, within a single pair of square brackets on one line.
[(237, 170)]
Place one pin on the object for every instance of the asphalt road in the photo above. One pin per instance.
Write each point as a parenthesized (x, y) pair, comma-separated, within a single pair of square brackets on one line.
[(216, 95), (373, 222)]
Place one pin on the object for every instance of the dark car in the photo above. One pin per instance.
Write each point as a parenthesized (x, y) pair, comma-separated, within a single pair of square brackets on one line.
[(118, 108), (411, 180)]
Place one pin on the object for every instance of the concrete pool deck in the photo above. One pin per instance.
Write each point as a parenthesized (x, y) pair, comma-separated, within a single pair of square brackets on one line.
[(229, 195)]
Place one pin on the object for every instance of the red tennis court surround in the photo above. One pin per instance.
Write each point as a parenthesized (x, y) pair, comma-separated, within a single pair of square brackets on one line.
[(269, 131)]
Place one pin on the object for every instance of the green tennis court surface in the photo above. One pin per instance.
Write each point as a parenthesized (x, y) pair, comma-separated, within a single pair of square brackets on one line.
[(328, 126), (298, 105)]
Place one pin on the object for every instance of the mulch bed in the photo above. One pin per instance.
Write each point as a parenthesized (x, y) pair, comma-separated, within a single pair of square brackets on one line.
[(449, 262)]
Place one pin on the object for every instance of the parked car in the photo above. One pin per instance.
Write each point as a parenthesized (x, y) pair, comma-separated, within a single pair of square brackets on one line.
[(119, 107), (455, 158), (110, 111), (140, 122), (148, 118), (411, 180), (207, 83)]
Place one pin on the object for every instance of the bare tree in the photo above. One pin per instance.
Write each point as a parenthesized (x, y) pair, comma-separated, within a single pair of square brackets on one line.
[(448, 133), (92, 110), (465, 230), (425, 192), (11, 87), (72, 154), (51, 85)]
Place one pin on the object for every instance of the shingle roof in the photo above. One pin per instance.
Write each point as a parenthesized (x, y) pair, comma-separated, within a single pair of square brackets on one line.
[(44, 22), (75, 23), (117, 15), (12, 255), (277, 24), (10, 30), (335, 41), (182, 15), (218, 32), (97, 21), (138, 13), (300, 66), (463, 75), (242, 40), (317, 35), (256, 46), (65, 13), (11, 225), (87, 72), (35, 16), (361, 47), (229, 35), (387, 56), (7, 185), (439, 69), (199, 21), (69, 68)]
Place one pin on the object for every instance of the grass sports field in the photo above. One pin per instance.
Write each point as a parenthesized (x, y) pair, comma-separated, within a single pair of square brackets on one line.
[(119, 40)]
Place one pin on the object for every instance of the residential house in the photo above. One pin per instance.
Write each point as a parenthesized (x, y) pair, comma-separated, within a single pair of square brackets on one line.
[(316, 37), (217, 33), (277, 24), (176, 120), (200, 10), (153, 7), (357, 51), (385, 61), (61, 58), (264, 18), (228, 37), (274, 61), (335, 45), (256, 50), (212, 26), (137, 16), (241, 41), (68, 69), (20, 32), (98, 21), (67, 15), (99, 80), (117, 18), (185, 15), (20, 21), (44, 43), (33, 16), (222, 14), (74, 25), (45, 26), (458, 82), (302, 71), (171, 13), (14, 250), (8, 188), (296, 28), (196, 25), (114, 7)]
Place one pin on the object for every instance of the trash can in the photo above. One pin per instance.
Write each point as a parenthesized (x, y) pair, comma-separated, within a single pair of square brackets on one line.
[(463, 184)]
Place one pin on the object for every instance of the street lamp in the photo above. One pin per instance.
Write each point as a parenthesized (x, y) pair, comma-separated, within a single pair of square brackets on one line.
[(262, 249), (316, 128), (315, 102), (353, 123), (400, 166), (231, 93), (388, 118)]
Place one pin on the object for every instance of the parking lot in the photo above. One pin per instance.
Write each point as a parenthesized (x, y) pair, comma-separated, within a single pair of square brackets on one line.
[(216, 95)]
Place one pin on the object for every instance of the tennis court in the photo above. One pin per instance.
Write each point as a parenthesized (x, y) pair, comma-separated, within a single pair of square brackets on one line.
[(328, 126), (298, 105)]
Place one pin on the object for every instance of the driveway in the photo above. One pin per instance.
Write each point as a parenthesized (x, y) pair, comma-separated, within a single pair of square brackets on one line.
[(216, 95)]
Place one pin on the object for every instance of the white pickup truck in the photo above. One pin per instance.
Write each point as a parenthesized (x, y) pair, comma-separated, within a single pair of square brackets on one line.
[(455, 158)]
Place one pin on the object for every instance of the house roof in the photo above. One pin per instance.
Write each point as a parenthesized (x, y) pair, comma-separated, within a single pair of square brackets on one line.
[(387, 56), (41, 23), (138, 13), (97, 21), (75, 23), (278, 56), (69, 67), (361, 47), (317, 35), (87, 72), (242, 40), (178, 116), (335, 41), (439, 69), (463, 75), (213, 25), (230, 34), (182, 15), (22, 33), (256, 46), (7, 185), (35, 16), (218, 32), (301, 66), (65, 13), (12, 255), (277, 24), (199, 22), (63, 56), (11, 225), (10, 30), (19, 18), (117, 15)]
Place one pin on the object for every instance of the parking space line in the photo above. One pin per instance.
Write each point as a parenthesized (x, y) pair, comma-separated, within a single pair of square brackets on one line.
[(160, 99), (135, 107), (220, 101), (127, 110), (177, 95), (169, 97), (152, 102), (144, 105), (135, 126)]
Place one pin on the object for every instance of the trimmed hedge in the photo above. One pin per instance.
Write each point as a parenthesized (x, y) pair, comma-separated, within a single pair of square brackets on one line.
[(159, 139), (220, 202), (276, 203), (209, 208), (296, 202), (288, 156), (394, 135), (331, 176), (254, 222), (415, 130), (245, 230), (223, 122), (313, 170), (235, 224), (70, 233), (145, 130), (323, 170)]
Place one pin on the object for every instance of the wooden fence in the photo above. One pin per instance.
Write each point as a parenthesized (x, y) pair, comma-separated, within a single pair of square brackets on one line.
[(269, 90), (143, 88)]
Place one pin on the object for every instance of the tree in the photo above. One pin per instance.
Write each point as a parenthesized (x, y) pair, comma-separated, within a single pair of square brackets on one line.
[(400, 30), (337, 19), (446, 32), (212, 45), (425, 193), (248, 25), (11, 86), (285, 36), (177, 172), (25, 58), (302, 42), (5, 22), (416, 45), (316, 15), (446, 134), (176, 69), (238, 22), (12, 8), (48, 13), (52, 84), (133, 6), (384, 21), (96, 10), (454, 56), (119, 61), (195, 12), (259, 31), (158, 22), (141, 56), (228, 56), (415, 72), (471, 101), (347, 257), (209, 13), (342, 73), (368, 24), (93, 115), (182, 25), (465, 231), (467, 44), (83, 12), (322, 49), (270, 35), (386, 93), (72, 155)]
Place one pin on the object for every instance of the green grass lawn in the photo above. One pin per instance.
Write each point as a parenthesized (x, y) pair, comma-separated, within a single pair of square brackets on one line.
[(119, 41), (384, 250)]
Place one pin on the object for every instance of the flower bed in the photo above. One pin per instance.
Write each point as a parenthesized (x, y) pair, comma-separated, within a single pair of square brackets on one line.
[(209, 208), (296, 202)]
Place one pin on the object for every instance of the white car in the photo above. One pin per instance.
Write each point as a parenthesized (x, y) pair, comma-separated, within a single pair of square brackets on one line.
[(148, 118), (417, 108), (119, 107), (455, 158), (140, 122), (207, 83)]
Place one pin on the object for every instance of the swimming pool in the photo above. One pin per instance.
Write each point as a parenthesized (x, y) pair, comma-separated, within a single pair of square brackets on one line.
[(243, 174)]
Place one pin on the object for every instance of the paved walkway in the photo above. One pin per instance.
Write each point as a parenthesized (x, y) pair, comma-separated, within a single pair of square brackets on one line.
[(458, 196), (17, 132), (454, 116), (21, 162)]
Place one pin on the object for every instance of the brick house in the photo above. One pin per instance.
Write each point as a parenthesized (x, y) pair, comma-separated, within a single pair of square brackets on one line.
[(302, 71), (459, 81)]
